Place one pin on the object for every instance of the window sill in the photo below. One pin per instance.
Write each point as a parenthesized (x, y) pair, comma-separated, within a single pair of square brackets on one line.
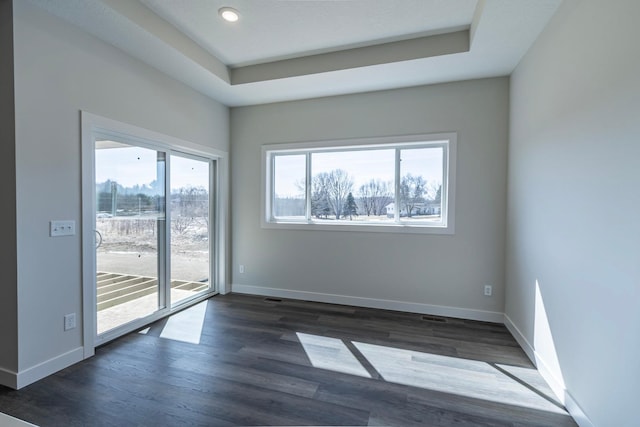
[(362, 227)]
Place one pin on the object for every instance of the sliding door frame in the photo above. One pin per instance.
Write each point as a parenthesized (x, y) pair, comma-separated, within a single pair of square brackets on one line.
[(212, 235), (94, 126)]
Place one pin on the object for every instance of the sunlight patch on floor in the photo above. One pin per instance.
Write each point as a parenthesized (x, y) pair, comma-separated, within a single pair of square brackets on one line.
[(186, 326), (531, 377), (453, 375), (332, 354)]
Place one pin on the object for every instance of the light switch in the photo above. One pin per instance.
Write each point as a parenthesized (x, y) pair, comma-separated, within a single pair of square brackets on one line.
[(62, 228)]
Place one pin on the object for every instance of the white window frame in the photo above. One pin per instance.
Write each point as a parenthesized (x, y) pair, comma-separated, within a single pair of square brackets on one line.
[(446, 140)]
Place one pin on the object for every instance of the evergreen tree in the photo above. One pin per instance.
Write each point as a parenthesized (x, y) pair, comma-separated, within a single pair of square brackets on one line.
[(350, 207)]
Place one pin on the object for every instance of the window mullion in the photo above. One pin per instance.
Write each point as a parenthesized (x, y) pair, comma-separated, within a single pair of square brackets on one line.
[(308, 187), (272, 183), (445, 185), (396, 215)]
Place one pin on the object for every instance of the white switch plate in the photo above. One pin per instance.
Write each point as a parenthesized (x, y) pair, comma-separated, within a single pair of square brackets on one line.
[(69, 321), (62, 228)]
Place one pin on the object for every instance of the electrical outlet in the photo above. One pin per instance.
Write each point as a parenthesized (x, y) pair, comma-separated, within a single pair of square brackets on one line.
[(488, 290), (69, 321), (241, 269)]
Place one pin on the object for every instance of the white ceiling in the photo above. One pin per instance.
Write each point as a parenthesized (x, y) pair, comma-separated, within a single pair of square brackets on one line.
[(294, 49)]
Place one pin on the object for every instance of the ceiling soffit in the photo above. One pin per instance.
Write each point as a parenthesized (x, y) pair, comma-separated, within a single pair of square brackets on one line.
[(491, 44)]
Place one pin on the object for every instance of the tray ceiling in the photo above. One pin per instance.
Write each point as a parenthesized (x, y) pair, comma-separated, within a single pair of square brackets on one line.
[(294, 49)]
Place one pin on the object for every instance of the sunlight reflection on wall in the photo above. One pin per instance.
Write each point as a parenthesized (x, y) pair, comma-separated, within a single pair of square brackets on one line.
[(545, 349)]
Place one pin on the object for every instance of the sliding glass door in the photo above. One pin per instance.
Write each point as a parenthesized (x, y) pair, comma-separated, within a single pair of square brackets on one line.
[(190, 229), (130, 238), (153, 233)]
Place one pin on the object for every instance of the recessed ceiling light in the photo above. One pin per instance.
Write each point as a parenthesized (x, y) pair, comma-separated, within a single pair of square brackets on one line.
[(229, 14)]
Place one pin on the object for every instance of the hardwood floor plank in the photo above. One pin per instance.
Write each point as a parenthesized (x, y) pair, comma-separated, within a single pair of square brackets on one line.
[(246, 375), (499, 412)]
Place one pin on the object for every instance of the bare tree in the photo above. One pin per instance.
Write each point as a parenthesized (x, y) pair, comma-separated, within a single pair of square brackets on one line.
[(319, 196), (375, 196), (190, 204), (412, 191), (438, 194), (180, 224), (433, 192), (340, 185), (330, 191)]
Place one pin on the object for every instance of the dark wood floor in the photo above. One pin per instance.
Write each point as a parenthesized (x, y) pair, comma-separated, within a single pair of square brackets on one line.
[(261, 362)]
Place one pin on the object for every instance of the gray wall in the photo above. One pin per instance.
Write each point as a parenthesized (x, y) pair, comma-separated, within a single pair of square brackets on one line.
[(574, 198), (61, 70), (8, 273), (410, 268)]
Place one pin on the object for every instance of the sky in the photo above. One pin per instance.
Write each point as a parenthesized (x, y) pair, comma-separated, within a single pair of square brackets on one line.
[(132, 165), (362, 166)]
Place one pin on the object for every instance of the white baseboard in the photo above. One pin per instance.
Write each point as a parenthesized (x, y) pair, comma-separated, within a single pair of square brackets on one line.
[(519, 336), (556, 385), (410, 307), (48, 367), (576, 411), (8, 379), (9, 421)]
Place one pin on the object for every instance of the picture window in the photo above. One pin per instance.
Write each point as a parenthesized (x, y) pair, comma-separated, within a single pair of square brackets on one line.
[(383, 184)]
